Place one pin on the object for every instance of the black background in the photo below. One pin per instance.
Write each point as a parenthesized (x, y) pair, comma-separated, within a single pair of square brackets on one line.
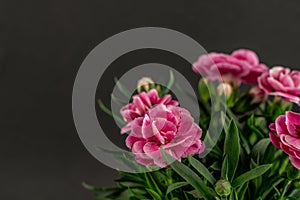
[(43, 43)]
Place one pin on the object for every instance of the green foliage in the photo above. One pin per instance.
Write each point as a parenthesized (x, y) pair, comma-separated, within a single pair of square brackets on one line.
[(189, 175), (202, 169), (252, 174), (243, 165), (231, 150)]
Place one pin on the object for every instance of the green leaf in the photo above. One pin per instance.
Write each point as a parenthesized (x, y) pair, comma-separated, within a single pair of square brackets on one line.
[(233, 195), (232, 149), (195, 194), (292, 172), (215, 166), (252, 174), (154, 184), (137, 193), (261, 147), (117, 100), (269, 189), (242, 191), (122, 88), (170, 83), (202, 169), (189, 175), (224, 169), (175, 186), (154, 194), (295, 194), (110, 113)]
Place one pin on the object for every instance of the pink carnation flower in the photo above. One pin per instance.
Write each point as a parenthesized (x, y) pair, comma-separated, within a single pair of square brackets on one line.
[(241, 66), (287, 138), (169, 127), (141, 103), (281, 82)]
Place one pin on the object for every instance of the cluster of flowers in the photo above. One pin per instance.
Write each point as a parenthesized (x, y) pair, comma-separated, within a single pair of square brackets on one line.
[(156, 123), (243, 66)]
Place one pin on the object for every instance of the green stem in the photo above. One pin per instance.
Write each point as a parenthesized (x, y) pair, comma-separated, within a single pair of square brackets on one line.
[(284, 190)]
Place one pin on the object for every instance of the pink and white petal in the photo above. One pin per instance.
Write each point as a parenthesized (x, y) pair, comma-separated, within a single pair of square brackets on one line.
[(145, 99), (136, 126), (287, 81), (275, 71), (295, 162), (295, 91), (173, 103), (272, 127), (288, 97), (159, 111), (130, 140), (291, 141), (165, 99), (296, 78), (293, 123), (180, 142), (139, 104), (226, 68), (280, 125), (275, 140), (153, 96), (143, 161), (263, 83), (197, 148), (126, 128), (246, 55), (137, 147), (147, 127), (156, 131), (153, 151), (129, 113), (186, 122), (276, 84)]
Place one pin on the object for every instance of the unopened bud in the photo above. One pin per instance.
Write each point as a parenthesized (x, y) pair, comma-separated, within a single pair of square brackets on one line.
[(223, 188), (225, 88), (144, 84), (258, 95)]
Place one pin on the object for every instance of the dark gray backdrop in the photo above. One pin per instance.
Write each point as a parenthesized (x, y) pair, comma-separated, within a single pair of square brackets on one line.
[(42, 44)]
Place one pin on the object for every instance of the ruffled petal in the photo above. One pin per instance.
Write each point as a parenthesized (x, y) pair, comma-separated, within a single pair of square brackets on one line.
[(293, 123)]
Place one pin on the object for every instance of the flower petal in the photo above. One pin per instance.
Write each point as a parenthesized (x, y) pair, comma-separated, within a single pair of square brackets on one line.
[(293, 123)]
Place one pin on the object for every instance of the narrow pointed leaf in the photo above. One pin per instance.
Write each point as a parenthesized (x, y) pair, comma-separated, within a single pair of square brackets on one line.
[(202, 169), (189, 175), (170, 83), (154, 194), (175, 186), (122, 88), (232, 149), (242, 191), (252, 174), (110, 113)]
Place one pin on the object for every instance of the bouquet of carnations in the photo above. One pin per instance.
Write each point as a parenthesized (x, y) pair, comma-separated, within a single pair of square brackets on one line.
[(256, 155)]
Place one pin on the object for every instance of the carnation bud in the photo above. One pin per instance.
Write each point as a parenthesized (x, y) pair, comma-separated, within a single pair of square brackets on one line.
[(258, 95), (223, 188), (203, 89), (144, 84), (225, 88), (204, 80)]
